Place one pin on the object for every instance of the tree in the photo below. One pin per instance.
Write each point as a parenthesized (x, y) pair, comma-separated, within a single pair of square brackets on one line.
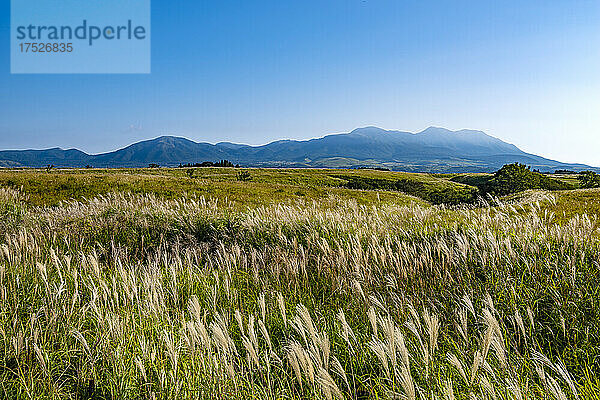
[(513, 178), (224, 163)]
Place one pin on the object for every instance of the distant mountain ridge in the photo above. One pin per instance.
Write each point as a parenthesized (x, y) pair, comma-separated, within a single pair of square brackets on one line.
[(432, 150)]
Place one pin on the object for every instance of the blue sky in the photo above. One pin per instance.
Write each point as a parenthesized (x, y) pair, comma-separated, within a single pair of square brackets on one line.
[(253, 72)]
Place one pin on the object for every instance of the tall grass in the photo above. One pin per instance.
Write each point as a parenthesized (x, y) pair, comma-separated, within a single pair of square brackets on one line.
[(127, 296)]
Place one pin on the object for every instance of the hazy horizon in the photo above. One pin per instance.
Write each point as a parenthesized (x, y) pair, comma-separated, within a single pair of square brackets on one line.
[(525, 73)]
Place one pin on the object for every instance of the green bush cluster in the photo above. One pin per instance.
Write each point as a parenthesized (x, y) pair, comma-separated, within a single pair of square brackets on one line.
[(512, 178), (589, 179), (244, 176)]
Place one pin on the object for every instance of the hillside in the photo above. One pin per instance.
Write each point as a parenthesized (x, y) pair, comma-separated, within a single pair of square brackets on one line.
[(432, 150), (150, 283)]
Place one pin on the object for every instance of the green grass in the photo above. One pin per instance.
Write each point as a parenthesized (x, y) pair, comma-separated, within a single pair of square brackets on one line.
[(567, 204), (160, 289), (266, 186), (429, 188)]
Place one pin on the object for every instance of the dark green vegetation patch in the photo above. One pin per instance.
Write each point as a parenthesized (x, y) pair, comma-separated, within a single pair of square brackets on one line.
[(432, 192), (512, 178)]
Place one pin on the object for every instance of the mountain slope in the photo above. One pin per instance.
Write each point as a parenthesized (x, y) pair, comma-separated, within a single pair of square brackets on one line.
[(41, 158), (165, 150), (432, 150)]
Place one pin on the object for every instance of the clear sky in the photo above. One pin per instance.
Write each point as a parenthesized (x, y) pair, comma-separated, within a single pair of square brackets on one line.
[(527, 72)]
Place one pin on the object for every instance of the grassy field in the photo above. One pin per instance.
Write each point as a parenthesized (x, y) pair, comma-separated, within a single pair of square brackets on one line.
[(133, 284), (266, 185)]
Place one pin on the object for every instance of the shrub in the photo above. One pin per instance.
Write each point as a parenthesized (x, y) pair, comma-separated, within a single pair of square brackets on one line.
[(589, 179), (244, 176), (512, 178)]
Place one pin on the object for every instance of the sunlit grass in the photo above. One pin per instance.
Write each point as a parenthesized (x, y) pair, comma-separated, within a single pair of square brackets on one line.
[(265, 186), (140, 296)]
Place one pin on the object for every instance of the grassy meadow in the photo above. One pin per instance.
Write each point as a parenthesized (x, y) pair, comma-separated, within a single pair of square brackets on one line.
[(294, 284)]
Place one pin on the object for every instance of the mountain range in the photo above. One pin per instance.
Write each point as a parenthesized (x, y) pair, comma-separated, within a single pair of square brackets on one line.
[(432, 150)]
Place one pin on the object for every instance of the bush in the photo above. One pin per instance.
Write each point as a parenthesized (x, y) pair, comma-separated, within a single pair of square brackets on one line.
[(589, 179), (244, 176), (512, 178)]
